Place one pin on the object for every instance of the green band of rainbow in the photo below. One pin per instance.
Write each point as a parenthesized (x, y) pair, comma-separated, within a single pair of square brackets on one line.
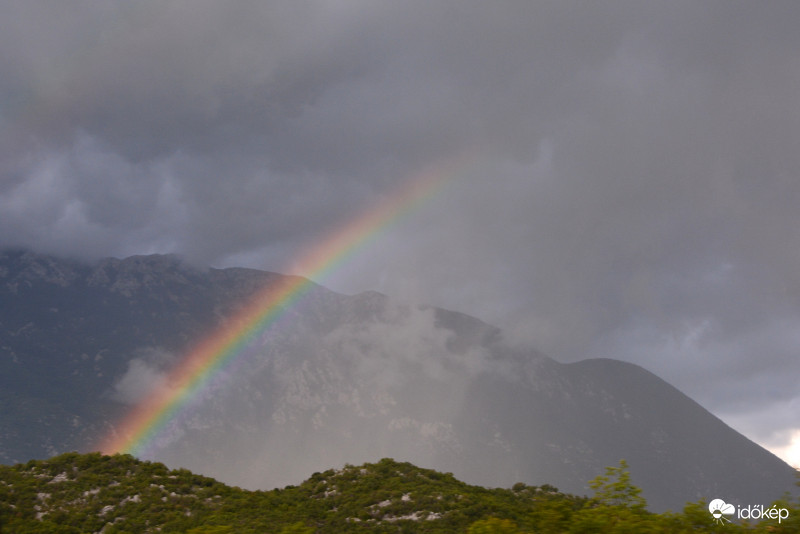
[(197, 368)]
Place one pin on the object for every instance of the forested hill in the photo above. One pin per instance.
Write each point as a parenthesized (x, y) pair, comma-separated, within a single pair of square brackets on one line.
[(79, 493)]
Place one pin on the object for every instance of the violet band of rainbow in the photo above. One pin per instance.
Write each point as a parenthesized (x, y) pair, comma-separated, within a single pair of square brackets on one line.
[(142, 425)]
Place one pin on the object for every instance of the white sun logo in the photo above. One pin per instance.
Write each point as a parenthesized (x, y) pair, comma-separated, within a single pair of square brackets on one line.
[(719, 509)]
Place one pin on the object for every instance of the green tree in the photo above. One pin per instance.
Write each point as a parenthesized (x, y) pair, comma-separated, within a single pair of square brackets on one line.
[(494, 525), (553, 516), (297, 528), (617, 506), (790, 523), (695, 518), (615, 489), (211, 529)]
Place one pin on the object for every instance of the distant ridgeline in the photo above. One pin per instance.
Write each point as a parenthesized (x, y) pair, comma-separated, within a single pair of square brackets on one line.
[(77, 493)]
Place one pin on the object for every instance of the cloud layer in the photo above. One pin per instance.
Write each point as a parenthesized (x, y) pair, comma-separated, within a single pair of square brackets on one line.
[(634, 192)]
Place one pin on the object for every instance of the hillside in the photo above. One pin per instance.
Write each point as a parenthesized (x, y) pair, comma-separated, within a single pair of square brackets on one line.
[(91, 493), (80, 493)]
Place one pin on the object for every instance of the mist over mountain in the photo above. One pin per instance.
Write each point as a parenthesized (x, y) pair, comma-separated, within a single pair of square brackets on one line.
[(341, 379)]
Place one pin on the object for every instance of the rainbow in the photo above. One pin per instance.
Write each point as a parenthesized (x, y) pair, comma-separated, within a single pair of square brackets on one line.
[(195, 371)]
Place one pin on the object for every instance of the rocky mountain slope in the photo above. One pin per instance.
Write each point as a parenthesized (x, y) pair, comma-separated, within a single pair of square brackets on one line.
[(342, 379)]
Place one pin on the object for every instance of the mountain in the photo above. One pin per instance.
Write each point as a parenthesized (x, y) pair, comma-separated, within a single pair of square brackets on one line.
[(341, 379)]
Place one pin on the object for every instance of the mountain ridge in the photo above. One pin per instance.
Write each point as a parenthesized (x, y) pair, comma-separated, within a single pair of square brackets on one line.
[(342, 379)]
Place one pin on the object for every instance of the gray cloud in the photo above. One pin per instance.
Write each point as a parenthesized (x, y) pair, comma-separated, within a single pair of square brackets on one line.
[(634, 192)]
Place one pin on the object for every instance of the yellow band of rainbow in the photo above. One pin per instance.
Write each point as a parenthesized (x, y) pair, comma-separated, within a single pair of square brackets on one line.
[(192, 374)]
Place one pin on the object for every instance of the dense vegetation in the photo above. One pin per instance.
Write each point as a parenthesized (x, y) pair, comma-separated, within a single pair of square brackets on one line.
[(77, 493)]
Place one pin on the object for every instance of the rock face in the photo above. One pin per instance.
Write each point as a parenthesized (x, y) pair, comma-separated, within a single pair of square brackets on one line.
[(341, 379)]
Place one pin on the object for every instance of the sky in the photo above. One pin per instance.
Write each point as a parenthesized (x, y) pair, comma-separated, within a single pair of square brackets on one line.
[(631, 185)]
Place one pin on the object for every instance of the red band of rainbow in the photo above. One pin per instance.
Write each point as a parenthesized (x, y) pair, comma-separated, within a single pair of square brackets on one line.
[(192, 374)]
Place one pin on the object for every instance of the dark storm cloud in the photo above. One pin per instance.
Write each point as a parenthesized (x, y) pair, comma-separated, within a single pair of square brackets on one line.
[(634, 192)]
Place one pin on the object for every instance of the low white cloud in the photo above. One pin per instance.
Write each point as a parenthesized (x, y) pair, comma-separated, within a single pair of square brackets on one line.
[(408, 340), (144, 376)]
